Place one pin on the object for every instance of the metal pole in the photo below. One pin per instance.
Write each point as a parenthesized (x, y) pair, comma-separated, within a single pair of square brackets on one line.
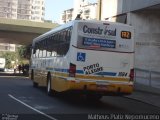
[(99, 10), (135, 75), (150, 78)]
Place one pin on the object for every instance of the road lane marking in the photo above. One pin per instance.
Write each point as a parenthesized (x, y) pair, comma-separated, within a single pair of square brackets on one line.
[(48, 116)]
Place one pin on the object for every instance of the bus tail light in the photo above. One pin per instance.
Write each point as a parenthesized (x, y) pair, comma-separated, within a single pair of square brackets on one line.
[(131, 75), (72, 70)]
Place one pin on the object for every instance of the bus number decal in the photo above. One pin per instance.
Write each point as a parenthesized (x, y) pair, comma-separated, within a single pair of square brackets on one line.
[(126, 34), (92, 69), (122, 74)]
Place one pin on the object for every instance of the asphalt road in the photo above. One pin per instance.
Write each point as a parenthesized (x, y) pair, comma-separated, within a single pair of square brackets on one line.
[(19, 100)]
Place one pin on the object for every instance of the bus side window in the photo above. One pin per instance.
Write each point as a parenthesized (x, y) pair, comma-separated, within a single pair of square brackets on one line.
[(57, 37), (45, 47), (44, 53), (49, 45), (53, 54), (40, 53), (63, 46), (37, 53), (64, 35), (48, 53), (60, 36), (60, 49), (68, 35), (33, 50)]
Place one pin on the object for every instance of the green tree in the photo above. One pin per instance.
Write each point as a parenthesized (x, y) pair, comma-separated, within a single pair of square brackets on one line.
[(9, 56), (20, 56), (24, 52)]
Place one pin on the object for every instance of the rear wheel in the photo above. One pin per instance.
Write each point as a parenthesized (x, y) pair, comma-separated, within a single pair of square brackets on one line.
[(32, 78), (35, 84), (49, 85)]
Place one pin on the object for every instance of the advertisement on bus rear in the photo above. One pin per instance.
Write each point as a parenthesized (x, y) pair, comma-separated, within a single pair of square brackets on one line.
[(105, 36)]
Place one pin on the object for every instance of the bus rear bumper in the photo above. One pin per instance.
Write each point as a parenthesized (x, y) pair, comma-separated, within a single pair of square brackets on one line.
[(105, 89)]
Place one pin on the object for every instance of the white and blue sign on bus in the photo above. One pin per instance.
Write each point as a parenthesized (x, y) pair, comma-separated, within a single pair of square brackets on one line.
[(99, 42), (81, 57)]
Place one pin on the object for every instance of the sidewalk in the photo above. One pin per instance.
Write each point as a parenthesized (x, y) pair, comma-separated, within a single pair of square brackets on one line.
[(148, 78), (147, 87), (146, 94)]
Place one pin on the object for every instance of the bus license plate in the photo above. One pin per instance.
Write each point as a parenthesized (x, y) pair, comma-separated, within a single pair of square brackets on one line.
[(101, 87)]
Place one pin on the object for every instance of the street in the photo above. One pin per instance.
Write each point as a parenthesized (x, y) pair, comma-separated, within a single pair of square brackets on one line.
[(18, 98)]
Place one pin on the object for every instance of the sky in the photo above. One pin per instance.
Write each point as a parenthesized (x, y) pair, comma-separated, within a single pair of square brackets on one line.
[(54, 8)]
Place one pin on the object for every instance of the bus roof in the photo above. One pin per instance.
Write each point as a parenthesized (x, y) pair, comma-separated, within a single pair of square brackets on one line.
[(54, 30), (71, 23)]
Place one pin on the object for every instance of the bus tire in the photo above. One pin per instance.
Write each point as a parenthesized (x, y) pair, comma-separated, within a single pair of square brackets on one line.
[(32, 75), (49, 90), (35, 85), (93, 97)]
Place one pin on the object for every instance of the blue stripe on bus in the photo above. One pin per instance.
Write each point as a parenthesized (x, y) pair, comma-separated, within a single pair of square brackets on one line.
[(106, 73), (49, 68), (67, 70), (60, 70), (82, 72)]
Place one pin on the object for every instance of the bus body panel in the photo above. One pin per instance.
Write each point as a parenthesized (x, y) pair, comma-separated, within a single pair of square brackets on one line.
[(100, 72)]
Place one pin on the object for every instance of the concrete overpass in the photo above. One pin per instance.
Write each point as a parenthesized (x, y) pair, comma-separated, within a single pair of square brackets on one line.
[(22, 31)]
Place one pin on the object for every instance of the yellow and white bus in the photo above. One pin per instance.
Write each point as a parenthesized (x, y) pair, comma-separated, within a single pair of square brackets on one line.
[(92, 57)]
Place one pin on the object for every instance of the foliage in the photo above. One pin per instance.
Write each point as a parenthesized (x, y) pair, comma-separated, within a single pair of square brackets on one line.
[(20, 56), (21, 51), (24, 52), (9, 56)]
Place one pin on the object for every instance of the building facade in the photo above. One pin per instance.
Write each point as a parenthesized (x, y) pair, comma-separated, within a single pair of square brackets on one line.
[(32, 10), (87, 10), (7, 47), (67, 16), (22, 9), (8, 9)]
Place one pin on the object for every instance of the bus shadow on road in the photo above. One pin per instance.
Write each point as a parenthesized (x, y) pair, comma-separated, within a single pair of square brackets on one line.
[(80, 101)]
